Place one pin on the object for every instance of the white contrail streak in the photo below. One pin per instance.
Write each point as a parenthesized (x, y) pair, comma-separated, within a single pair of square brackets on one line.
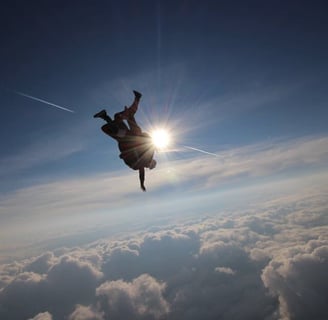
[(43, 101), (202, 151)]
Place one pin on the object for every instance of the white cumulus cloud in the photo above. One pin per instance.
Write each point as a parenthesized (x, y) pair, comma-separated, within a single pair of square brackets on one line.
[(140, 299)]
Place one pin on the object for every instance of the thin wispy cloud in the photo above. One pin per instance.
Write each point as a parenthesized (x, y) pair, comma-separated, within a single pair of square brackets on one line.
[(78, 202), (262, 159), (45, 149), (234, 165)]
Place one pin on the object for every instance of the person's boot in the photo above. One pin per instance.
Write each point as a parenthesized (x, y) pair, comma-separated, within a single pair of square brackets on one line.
[(137, 94), (103, 115)]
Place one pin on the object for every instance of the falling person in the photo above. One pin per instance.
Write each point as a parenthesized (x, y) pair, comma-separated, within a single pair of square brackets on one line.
[(136, 147)]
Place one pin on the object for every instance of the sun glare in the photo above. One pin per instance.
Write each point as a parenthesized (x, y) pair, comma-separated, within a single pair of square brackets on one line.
[(161, 138)]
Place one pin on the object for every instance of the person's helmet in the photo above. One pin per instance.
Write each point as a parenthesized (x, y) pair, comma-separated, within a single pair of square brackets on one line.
[(152, 164)]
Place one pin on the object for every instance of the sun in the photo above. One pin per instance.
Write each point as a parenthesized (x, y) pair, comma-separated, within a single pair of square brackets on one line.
[(161, 138)]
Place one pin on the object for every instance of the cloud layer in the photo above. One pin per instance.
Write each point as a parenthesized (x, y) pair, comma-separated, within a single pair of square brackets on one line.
[(82, 196), (267, 262)]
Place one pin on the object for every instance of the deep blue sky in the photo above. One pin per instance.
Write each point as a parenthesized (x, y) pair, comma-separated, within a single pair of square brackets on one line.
[(222, 75)]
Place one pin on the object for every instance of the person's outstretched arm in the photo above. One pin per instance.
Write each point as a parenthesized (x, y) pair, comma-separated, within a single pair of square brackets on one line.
[(142, 178)]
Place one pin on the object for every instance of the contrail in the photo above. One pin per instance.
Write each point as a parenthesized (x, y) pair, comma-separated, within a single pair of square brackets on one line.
[(202, 151), (43, 101)]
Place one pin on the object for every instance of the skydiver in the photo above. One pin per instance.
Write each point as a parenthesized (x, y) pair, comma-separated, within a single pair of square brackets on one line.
[(136, 147)]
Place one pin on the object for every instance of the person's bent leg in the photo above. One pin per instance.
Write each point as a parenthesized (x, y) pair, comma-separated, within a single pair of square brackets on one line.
[(128, 111), (134, 106), (118, 120), (110, 130), (122, 128), (134, 127)]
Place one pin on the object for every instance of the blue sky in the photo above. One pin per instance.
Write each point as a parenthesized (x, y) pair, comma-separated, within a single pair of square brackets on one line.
[(245, 80), (219, 75)]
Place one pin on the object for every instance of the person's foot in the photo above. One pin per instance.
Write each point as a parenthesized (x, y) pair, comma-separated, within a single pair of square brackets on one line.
[(137, 94), (101, 114)]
